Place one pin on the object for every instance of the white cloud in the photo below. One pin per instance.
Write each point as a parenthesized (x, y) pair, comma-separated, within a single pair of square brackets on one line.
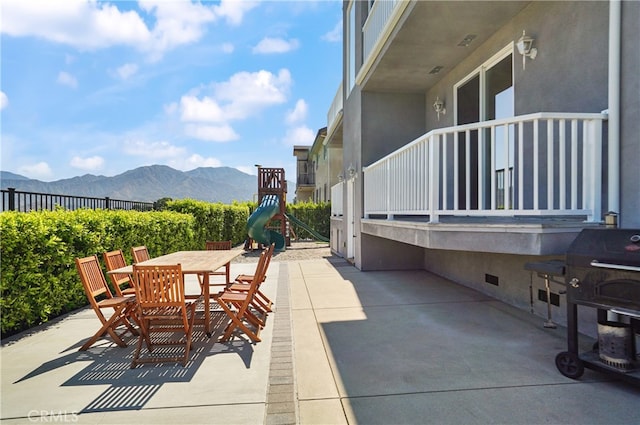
[(91, 163), (233, 10), (171, 108), (127, 70), (246, 93), (211, 133), (67, 79), (4, 100), (275, 45), (91, 25), (335, 35), (41, 170), (194, 161), (177, 23), (86, 25), (299, 112), (302, 135), (200, 110), (152, 150), (248, 169), (228, 47)]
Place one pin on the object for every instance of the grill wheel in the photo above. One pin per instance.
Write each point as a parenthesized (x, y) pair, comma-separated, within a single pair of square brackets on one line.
[(569, 364)]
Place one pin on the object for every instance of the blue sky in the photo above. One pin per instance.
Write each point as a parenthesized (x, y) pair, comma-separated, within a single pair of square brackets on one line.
[(101, 87)]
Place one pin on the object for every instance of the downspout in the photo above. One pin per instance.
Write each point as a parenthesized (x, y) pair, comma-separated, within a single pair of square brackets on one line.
[(613, 202)]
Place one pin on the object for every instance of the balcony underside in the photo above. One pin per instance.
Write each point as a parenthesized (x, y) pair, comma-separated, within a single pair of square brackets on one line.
[(518, 236), (429, 36)]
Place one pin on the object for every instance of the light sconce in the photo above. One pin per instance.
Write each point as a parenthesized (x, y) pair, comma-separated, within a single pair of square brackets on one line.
[(525, 48), (438, 106), (340, 177), (351, 170)]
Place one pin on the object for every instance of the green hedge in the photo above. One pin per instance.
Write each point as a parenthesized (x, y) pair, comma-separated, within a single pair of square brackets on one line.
[(315, 215), (38, 279), (216, 222)]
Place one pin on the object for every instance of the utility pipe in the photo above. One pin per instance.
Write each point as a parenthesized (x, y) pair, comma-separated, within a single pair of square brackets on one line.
[(613, 201)]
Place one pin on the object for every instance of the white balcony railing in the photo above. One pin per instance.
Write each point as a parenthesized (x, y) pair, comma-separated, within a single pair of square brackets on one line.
[(554, 163), (336, 199), (379, 15), (334, 110)]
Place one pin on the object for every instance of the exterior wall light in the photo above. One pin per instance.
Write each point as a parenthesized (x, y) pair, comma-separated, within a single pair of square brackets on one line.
[(340, 177), (438, 106), (351, 170), (525, 48)]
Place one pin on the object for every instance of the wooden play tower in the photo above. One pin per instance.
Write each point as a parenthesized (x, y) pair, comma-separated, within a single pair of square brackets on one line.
[(271, 181)]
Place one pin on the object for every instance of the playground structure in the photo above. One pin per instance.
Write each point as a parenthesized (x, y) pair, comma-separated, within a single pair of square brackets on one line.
[(272, 206)]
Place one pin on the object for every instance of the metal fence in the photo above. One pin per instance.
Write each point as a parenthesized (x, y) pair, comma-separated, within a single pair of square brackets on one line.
[(15, 200)]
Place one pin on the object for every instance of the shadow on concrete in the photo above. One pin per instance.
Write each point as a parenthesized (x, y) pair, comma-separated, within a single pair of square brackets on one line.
[(432, 351), (131, 389)]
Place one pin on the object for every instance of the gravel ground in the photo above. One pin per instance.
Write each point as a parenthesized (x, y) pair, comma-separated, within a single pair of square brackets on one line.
[(309, 250)]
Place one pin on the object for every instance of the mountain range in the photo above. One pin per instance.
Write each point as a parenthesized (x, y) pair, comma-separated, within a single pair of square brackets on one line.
[(148, 184)]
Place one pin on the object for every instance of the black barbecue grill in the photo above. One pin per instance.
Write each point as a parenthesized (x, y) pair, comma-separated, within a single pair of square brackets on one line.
[(602, 271)]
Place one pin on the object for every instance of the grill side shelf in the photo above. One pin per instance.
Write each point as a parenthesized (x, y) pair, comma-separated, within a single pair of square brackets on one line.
[(596, 263)]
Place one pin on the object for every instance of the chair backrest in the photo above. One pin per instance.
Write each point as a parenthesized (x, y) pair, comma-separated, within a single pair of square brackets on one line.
[(114, 260), (139, 254), (269, 252), (218, 245), (258, 277), (159, 286), (92, 279)]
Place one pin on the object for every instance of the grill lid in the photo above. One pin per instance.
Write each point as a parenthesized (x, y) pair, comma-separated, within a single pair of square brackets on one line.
[(607, 246)]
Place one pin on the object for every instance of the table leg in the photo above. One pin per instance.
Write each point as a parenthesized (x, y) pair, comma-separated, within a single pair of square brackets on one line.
[(227, 269), (207, 311)]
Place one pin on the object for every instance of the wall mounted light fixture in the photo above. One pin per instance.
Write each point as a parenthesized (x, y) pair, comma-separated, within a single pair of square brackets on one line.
[(351, 170), (340, 177), (525, 48), (438, 106)]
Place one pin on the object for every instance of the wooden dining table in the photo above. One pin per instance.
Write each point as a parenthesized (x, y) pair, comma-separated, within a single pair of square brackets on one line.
[(195, 263)]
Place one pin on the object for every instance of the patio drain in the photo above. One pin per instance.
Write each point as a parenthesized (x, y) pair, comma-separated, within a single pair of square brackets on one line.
[(281, 406)]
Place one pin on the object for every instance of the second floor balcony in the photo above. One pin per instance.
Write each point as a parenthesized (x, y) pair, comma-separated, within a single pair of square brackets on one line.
[(554, 163), (306, 179)]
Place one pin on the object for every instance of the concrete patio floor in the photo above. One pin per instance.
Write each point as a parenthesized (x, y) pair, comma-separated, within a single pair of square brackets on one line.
[(343, 346)]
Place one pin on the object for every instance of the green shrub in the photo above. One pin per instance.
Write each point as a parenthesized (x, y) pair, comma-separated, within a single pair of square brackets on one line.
[(315, 215), (38, 276), (215, 222)]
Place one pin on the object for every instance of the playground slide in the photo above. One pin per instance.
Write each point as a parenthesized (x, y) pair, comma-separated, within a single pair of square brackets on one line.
[(258, 220), (308, 228)]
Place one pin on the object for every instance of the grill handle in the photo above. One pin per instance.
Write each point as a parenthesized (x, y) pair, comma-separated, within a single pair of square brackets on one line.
[(596, 263)]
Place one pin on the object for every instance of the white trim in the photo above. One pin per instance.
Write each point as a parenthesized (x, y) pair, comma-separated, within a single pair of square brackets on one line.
[(480, 71), (613, 201), (367, 63)]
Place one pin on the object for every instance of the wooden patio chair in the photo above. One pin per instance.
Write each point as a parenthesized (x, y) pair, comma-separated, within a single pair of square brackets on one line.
[(162, 308), (237, 305), (122, 283), (219, 246), (100, 297), (139, 254), (243, 284)]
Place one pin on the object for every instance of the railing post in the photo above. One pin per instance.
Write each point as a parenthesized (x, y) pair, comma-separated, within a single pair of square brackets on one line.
[(593, 133), (107, 203), (434, 179), (12, 198)]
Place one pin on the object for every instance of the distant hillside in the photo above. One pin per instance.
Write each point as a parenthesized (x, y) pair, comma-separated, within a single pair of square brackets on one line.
[(222, 184)]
